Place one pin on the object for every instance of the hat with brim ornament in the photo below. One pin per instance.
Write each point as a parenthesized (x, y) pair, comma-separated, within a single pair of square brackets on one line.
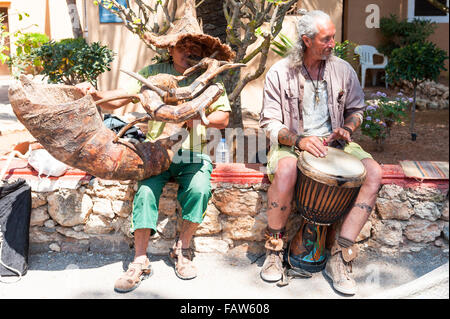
[(187, 31)]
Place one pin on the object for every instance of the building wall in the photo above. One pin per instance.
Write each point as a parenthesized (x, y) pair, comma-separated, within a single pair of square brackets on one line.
[(45, 16), (355, 28)]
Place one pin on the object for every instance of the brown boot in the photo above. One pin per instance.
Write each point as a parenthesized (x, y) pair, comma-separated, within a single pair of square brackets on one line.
[(272, 269), (339, 267), (132, 278)]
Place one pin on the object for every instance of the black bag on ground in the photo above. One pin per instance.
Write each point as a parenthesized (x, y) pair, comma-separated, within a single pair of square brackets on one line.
[(115, 124), (15, 213)]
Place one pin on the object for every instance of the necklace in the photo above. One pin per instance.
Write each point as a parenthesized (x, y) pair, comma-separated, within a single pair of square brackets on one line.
[(316, 87)]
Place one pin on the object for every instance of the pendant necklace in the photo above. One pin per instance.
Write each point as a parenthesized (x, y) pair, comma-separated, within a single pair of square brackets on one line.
[(316, 88)]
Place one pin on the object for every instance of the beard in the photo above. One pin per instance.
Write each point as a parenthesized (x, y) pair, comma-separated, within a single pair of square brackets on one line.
[(327, 54)]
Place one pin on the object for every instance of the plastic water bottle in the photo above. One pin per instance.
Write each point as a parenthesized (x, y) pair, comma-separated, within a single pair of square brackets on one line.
[(222, 152)]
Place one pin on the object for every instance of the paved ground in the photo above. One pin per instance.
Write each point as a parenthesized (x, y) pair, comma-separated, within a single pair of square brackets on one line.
[(89, 275), (8, 121)]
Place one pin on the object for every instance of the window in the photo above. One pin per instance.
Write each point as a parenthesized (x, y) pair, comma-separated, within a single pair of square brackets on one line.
[(422, 9)]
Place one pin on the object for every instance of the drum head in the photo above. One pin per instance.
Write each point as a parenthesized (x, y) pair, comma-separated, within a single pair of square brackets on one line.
[(336, 163)]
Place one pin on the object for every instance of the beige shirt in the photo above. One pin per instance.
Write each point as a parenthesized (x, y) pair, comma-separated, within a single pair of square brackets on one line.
[(284, 92)]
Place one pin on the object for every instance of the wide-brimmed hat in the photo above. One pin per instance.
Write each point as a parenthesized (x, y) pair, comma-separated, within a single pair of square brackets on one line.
[(186, 30)]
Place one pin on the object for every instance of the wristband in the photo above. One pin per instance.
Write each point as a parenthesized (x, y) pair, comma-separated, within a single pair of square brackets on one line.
[(348, 130)]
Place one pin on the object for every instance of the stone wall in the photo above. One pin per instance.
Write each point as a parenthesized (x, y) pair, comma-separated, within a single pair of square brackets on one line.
[(96, 217), (430, 95)]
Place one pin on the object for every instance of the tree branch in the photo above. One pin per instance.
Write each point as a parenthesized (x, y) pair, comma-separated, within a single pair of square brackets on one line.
[(439, 5), (261, 68)]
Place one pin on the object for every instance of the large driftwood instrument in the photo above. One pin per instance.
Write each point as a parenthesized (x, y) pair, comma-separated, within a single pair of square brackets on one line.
[(69, 126)]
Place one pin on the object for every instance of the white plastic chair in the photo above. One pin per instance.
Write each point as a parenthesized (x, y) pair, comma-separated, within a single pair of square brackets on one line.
[(366, 53)]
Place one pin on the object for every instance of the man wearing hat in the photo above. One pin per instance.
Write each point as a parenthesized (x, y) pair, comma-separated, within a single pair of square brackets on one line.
[(191, 167)]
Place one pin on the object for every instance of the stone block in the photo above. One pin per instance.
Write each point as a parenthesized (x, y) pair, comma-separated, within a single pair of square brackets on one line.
[(167, 227), (211, 223), (394, 209), (68, 207), (122, 208), (38, 199), (421, 230), (393, 192), (427, 210), (102, 206), (444, 211), (210, 245), (242, 248), (69, 232), (239, 202), (388, 232), (111, 190), (122, 225), (38, 216), (245, 227), (422, 194), (44, 235), (97, 224), (168, 206)]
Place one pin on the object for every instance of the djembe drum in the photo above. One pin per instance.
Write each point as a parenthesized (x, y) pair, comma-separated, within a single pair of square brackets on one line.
[(326, 189)]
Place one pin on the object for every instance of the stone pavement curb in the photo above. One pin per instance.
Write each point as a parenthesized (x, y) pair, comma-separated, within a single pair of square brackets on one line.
[(433, 285)]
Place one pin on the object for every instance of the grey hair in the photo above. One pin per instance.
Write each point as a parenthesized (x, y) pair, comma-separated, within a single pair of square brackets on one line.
[(306, 25)]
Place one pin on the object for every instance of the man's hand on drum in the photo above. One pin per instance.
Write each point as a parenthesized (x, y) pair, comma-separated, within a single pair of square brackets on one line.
[(313, 145), (339, 134), (86, 88)]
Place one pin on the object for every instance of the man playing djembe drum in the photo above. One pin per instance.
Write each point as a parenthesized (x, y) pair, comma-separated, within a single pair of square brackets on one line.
[(312, 99)]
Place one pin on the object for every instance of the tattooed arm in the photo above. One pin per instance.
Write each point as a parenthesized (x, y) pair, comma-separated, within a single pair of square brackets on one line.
[(312, 144), (353, 121), (345, 132)]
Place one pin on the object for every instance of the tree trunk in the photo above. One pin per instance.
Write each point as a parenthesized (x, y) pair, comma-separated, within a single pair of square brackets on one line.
[(212, 18), (413, 113), (74, 18), (230, 80)]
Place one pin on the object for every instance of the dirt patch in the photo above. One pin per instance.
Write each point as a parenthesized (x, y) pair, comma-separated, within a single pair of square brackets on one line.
[(432, 144)]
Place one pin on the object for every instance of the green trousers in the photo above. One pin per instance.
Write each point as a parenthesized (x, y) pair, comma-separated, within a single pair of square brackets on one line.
[(192, 171)]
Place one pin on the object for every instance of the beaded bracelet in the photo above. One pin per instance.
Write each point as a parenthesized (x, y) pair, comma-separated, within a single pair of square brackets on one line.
[(348, 130)]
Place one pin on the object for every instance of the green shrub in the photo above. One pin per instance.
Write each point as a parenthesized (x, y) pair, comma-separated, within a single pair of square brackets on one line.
[(72, 61), (283, 46), (416, 62), (23, 61), (397, 33), (3, 36), (381, 114)]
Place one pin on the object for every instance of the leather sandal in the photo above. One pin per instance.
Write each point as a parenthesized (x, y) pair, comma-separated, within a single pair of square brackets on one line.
[(184, 269), (131, 279)]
